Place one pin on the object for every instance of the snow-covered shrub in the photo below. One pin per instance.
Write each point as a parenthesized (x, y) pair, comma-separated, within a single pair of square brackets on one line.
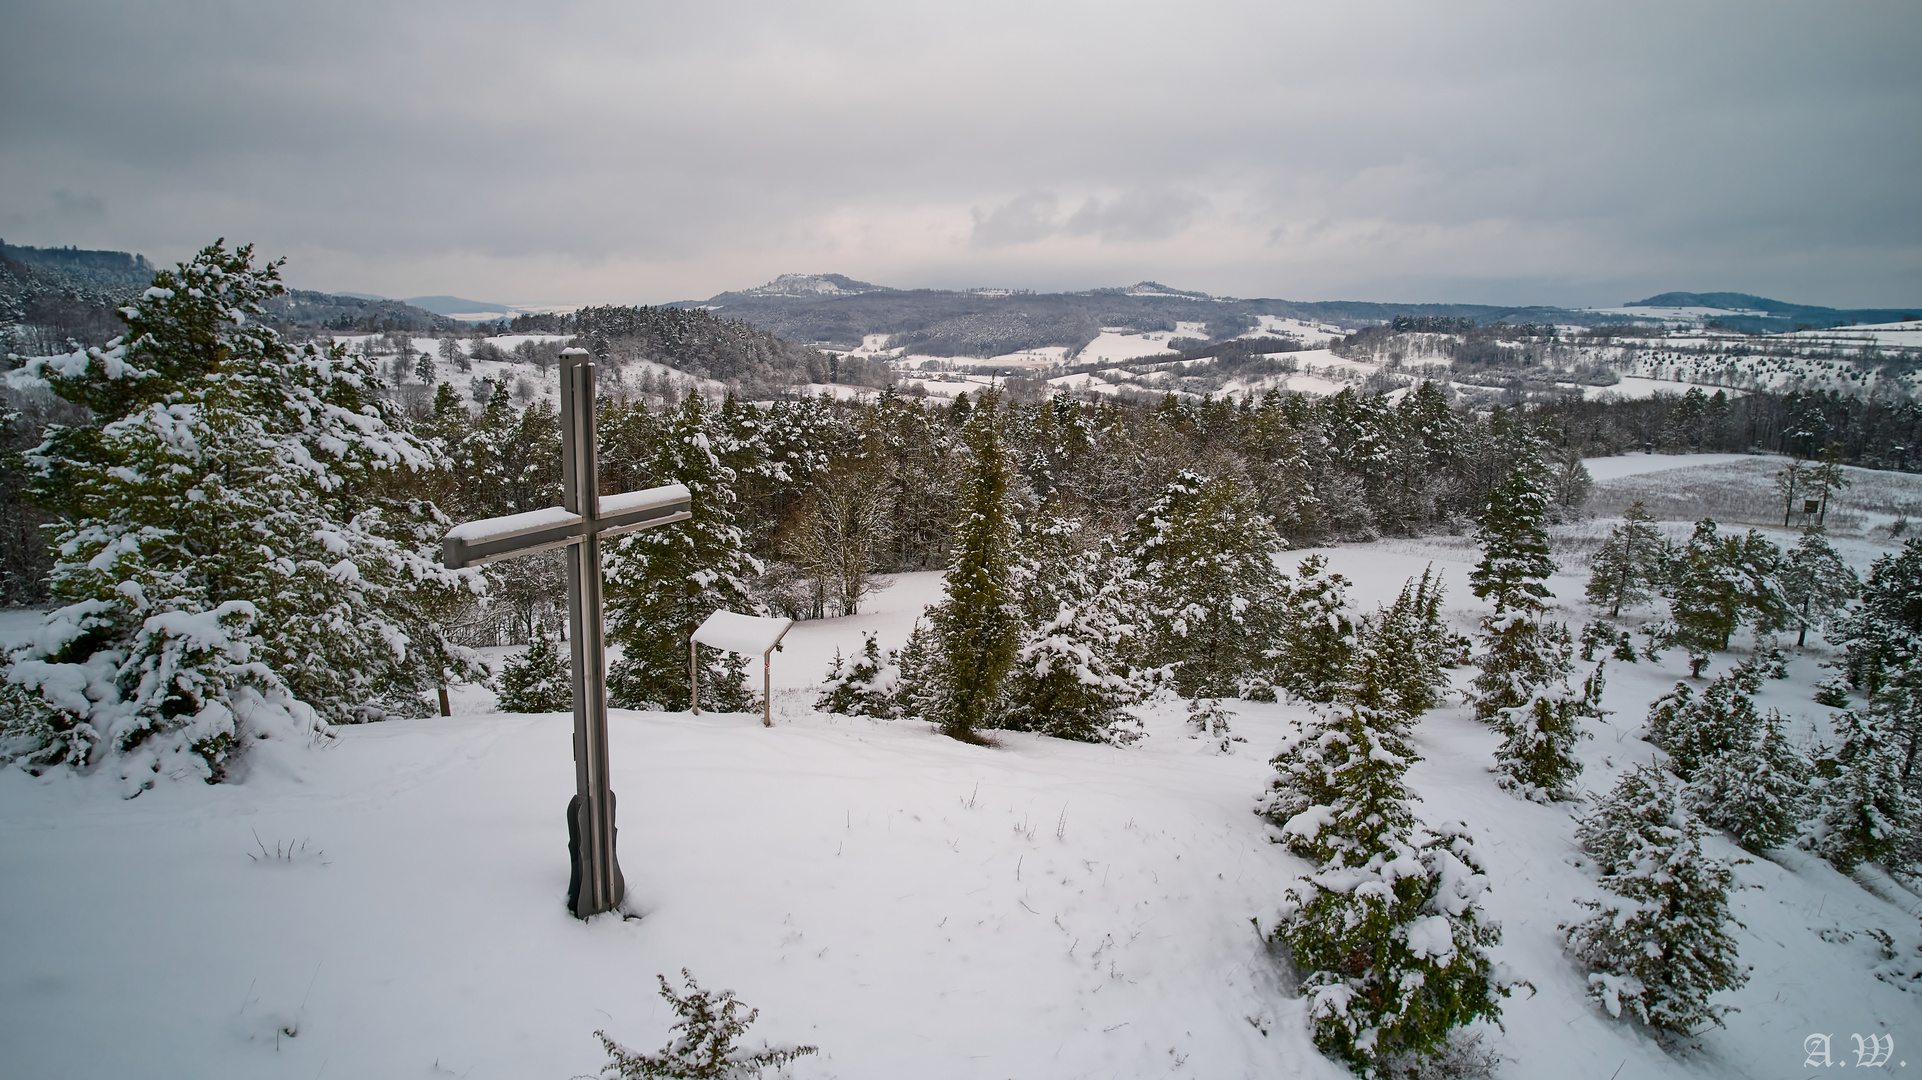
[(1315, 643), (864, 687), (1401, 654), (1538, 759), (539, 680), (1630, 567), (1833, 692), (1387, 935), (1659, 948), (1757, 791), (1868, 813), (1720, 583), (230, 558), (1694, 728), (1519, 656), (708, 1028), (1596, 635)]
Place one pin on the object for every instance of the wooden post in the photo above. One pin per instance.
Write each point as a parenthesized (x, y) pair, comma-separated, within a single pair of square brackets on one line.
[(694, 675), (767, 690)]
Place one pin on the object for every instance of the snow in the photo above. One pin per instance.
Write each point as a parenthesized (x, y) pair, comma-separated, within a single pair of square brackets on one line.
[(647, 498), (1611, 468), (1635, 388), (511, 525), (750, 634), (389, 903)]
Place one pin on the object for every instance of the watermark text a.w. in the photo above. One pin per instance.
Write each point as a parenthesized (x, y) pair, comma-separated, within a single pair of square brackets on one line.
[(1871, 1052)]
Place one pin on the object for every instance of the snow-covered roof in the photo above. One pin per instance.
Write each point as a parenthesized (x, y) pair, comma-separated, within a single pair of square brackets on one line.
[(739, 633)]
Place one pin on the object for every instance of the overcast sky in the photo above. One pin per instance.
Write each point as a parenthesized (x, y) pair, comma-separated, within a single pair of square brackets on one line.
[(1583, 154)]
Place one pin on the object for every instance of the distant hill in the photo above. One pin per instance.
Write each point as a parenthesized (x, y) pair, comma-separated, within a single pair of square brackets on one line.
[(454, 305), (832, 310), (1759, 313)]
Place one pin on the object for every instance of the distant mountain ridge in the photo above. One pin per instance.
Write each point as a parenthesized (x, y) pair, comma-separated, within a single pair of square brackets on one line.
[(1759, 313)]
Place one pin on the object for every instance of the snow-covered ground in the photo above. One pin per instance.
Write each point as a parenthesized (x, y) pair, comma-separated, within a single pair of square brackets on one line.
[(389, 904)]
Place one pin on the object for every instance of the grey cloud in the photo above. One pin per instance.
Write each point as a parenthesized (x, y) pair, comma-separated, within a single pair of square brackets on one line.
[(1142, 215), (1020, 220), (78, 206)]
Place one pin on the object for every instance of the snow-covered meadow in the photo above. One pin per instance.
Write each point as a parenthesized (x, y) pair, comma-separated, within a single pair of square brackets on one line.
[(389, 903)]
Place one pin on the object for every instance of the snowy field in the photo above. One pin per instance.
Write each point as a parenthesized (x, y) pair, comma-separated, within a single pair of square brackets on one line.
[(390, 903)]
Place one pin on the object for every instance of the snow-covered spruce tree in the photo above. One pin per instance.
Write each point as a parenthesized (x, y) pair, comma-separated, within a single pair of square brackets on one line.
[(1387, 935), (1315, 643), (1868, 814), (1515, 564), (1758, 792), (975, 629), (704, 1045), (1519, 654), (1538, 759), (1662, 949), (864, 687), (1816, 584), (1693, 729), (233, 557), (1884, 632), (663, 582), (1068, 678), (1631, 565), (1205, 557), (539, 680)]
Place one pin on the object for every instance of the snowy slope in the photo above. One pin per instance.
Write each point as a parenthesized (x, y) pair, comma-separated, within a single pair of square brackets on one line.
[(915, 906)]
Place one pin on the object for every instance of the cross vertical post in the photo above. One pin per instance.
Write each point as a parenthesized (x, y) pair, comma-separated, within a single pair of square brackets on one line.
[(595, 884)]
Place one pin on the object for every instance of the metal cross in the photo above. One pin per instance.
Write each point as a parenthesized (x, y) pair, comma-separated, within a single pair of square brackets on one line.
[(578, 524)]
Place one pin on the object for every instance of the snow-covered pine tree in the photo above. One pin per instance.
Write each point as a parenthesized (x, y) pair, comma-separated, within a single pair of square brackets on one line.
[(1519, 656), (1694, 729), (864, 687), (232, 556), (1388, 935), (1757, 792), (1068, 678), (975, 629), (1538, 759), (1662, 949), (1515, 563), (1868, 814), (540, 680), (1315, 645), (1631, 565), (661, 583), (1816, 583), (1205, 557), (1884, 632)]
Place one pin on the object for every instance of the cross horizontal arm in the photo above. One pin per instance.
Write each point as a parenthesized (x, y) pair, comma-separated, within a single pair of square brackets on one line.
[(484, 541)]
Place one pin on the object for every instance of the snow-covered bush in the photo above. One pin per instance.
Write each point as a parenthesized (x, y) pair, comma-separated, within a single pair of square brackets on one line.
[(1387, 935), (1630, 567), (1401, 654), (1659, 948), (708, 1028), (1537, 761), (1519, 656), (539, 680), (1868, 813), (1315, 643), (864, 687), (1756, 791), (231, 558), (1720, 720)]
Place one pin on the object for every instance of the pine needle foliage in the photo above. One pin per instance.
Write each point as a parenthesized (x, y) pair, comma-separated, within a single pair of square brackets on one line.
[(1519, 657), (708, 1027), (1869, 814), (1314, 650), (1660, 949), (540, 680), (1694, 727), (1070, 679), (1401, 653), (1757, 792)]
